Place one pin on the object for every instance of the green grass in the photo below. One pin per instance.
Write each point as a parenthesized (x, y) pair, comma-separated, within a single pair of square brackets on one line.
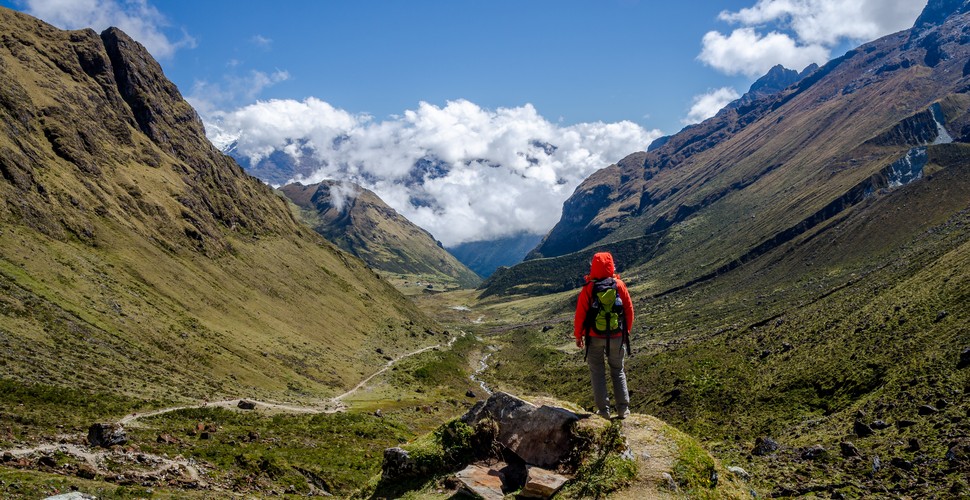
[(602, 468)]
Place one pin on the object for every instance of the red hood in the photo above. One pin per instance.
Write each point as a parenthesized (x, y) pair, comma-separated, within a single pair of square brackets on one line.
[(601, 267)]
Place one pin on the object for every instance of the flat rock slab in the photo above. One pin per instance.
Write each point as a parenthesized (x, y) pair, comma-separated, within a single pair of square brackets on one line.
[(542, 483), (482, 482)]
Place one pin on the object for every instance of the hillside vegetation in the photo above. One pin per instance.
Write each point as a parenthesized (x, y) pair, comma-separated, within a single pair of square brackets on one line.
[(136, 258)]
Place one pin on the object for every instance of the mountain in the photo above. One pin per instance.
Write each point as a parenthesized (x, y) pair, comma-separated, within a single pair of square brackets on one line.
[(484, 257), (800, 267), (358, 221), (279, 166), (759, 174), (137, 259)]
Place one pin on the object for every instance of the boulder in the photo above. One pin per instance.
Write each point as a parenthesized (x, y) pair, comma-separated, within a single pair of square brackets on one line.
[(246, 405), (539, 435), (106, 435), (397, 464)]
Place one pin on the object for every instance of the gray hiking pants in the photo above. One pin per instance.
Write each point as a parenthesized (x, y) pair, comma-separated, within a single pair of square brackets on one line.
[(597, 373)]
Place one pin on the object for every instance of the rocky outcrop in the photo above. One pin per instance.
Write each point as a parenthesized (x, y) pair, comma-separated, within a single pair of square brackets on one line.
[(539, 435), (106, 435), (565, 442)]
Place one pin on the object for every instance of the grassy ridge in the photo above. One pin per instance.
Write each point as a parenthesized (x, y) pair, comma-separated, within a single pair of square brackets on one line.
[(864, 318)]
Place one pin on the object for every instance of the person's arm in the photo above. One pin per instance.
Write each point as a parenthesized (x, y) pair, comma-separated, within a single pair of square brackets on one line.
[(579, 321), (627, 306)]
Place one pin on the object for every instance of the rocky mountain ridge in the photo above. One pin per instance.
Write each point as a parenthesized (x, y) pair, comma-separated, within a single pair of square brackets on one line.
[(130, 240), (775, 166), (358, 221)]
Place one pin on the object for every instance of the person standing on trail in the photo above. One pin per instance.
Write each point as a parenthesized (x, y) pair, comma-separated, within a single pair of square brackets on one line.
[(604, 316)]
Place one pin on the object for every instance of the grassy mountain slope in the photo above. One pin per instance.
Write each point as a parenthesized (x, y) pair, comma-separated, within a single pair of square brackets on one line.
[(793, 279), (137, 257), (800, 345), (358, 221), (726, 191)]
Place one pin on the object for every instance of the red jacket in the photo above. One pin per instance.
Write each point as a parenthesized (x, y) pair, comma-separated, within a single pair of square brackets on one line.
[(601, 267)]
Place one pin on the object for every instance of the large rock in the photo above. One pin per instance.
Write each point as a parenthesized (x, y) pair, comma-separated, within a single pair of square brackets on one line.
[(106, 435), (539, 435), (397, 464)]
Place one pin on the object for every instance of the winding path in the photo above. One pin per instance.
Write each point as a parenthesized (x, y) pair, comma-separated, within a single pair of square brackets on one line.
[(162, 464)]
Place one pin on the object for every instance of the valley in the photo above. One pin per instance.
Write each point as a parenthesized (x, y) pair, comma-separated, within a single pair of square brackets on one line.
[(172, 327)]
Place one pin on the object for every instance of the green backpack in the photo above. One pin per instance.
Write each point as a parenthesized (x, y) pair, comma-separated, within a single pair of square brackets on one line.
[(605, 313)]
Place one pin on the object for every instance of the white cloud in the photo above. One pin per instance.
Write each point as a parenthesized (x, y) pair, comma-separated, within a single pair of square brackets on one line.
[(751, 54), (707, 105), (137, 18), (800, 32), (830, 21), (498, 172)]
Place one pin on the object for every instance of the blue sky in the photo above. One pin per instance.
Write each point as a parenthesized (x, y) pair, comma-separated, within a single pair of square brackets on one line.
[(464, 81)]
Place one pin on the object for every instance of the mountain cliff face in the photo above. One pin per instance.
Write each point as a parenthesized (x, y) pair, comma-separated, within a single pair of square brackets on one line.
[(358, 221), (760, 173), (131, 246)]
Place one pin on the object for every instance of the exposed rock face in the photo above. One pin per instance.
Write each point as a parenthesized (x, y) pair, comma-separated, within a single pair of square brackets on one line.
[(539, 435), (937, 11)]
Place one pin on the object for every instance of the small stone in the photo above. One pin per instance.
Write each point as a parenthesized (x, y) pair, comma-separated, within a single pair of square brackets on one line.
[(914, 445), (964, 358), (942, 404), (668, 481), (814, 453), (848, 449), (246, 405), (879, 425), (876, 463), (902, 424), (46, 461), (85, 471), (469, 393), (861, 429), (764, 446), (166, 439), (542, 483), (901, 463), (378, 413), (738, 471), (927, 410)]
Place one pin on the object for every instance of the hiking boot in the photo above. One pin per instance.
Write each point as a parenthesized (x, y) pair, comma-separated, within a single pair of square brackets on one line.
[(623, 413), (605, 413)]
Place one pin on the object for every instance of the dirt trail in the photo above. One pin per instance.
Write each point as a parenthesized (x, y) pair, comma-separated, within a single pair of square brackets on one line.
[(332, 405), (147, 465)]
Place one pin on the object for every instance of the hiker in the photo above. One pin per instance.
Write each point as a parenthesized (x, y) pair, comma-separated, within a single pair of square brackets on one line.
[(604, 330)]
